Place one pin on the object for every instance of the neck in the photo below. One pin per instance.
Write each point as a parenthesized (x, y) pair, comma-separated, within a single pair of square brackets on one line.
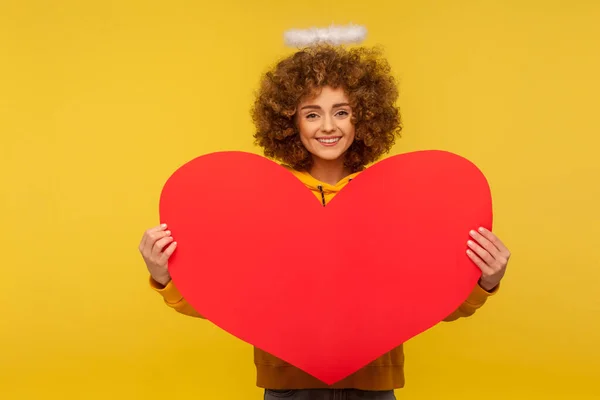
[(330, 172)]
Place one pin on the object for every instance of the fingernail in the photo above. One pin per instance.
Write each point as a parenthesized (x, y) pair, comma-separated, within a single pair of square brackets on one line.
[(163, 225), (470, 242), (473, 233), (481, 230), (168, 232)]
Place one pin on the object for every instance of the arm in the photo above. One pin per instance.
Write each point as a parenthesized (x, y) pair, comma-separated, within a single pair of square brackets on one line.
[(174, 299), (490, 255), (156, 247), (475, 301)]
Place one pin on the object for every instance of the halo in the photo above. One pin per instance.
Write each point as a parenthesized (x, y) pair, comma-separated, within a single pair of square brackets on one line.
[(333, 34)]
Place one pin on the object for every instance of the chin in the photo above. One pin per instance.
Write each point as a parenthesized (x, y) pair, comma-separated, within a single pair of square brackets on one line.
[(329, 156)]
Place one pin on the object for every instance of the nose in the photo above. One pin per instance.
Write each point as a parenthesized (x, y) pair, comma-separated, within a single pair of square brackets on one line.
[(328, 125)]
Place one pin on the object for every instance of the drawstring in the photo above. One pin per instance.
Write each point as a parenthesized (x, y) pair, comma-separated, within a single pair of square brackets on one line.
[(322, 194)]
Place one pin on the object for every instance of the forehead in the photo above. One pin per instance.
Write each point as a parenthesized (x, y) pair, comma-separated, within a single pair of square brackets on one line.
[(325, 94)]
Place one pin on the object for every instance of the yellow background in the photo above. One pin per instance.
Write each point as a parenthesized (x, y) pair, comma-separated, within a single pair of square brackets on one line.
[(101, 100)]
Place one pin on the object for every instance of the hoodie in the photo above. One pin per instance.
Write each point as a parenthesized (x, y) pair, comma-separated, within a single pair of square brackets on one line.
[(384, 373)]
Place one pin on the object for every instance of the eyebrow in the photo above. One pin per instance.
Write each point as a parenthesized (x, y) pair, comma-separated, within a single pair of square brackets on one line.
[(318, 108)]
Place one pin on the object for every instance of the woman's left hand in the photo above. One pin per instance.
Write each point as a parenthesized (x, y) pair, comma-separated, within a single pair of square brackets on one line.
[(490, 255)]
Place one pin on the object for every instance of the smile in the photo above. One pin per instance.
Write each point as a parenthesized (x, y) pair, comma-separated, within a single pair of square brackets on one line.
[(329, 141)]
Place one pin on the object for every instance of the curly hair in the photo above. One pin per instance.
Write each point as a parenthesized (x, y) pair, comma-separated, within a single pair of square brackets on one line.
[(365, 77)]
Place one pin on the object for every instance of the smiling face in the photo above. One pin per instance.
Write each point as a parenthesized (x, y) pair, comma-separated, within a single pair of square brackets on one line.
[(325, 125)]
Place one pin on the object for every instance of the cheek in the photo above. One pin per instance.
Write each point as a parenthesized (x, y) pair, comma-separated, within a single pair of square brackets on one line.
[(304, 131), (304, 137), (350, 130)]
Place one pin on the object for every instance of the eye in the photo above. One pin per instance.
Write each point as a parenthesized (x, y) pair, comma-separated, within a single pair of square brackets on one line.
[(311, 116), (343, 113)]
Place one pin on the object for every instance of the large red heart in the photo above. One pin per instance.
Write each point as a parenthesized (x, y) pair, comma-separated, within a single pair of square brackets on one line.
[(327, 289)]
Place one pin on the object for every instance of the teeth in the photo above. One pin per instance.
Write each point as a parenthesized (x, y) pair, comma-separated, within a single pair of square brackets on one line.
[(329, 140)]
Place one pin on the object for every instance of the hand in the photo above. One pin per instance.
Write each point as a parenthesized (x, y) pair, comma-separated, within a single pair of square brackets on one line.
[(490, 255), (156, 247)]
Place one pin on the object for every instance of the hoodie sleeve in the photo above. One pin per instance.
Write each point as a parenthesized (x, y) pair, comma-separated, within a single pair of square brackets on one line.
[(174, 299), (476, 300)]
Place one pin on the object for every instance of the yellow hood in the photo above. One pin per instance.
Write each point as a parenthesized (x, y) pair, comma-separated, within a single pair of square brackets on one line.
[(324, 191)]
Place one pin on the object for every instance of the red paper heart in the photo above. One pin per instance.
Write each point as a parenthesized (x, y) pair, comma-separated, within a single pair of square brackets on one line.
[(327, 289)]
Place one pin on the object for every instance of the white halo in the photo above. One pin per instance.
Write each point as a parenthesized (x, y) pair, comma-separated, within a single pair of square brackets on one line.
[(335, 35)]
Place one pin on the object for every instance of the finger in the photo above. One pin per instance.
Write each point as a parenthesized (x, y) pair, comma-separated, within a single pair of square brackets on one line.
[(482, 253), (142, 244), (168, 252), (148, 233), (494, 239), (158, 228), (159, 246), (153, 238), (486, 244), (485, 270)]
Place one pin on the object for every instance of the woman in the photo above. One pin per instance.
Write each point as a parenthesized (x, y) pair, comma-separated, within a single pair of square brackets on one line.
[(326, 113)]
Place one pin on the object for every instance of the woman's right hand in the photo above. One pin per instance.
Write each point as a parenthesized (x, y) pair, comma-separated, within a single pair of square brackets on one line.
[(157, 246)]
